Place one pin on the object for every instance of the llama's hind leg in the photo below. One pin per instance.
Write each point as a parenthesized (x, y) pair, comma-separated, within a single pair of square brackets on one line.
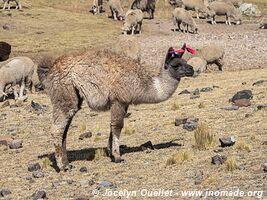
[(118, 112)]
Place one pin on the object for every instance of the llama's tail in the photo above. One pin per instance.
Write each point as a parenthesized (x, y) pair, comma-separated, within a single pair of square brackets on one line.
[(44, 67)]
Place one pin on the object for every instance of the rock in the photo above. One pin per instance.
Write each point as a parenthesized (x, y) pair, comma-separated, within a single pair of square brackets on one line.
[(147, 145), (4, 192), (264, 166), (263, 106), (85, 135), (242, 102), (244, 94), (39, 195), (83, 169), (263, 26), (230, 108), (5, 104), (184, 92), (250, 9), (179, 121), (199, 177), (218, 159), (206, 89), (34, 167), (128, 115), (5, 50), (84, 182), (7, 27), (15, 144), (191, 124), (5, 140), (259, 82), (264, 143), (37, 107), (198, 64), (194, 96), (196, 92), (38, 174), (82, 198), (227, 141), (218, 150), (105, 184)]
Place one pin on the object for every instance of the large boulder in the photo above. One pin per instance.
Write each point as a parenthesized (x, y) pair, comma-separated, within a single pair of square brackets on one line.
[(250, 10), (5, 50)]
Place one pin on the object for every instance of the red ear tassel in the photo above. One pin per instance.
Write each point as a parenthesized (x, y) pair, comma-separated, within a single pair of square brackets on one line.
[(191, 50)]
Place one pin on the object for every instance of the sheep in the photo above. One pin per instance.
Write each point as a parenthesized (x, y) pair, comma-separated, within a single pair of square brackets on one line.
[(5, 50), (211, 53), (116, 9), (196, 5), (181, 16), (97, 7), (223, 8), (107, 81), (133, 21), (199, 64), (17, 70), (146, 6), (7, 3)]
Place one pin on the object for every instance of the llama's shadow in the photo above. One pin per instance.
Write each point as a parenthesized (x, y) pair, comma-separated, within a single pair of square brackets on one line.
[(90, 153)]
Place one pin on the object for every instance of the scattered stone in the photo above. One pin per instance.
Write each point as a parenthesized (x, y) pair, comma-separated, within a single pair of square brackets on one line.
[(5, 50), (99, 134), (105, 184), (230, 107), (191, 124), (259, 107), (179, 121), (263, 26), (82, 198), (34, 167), (218, 150), (39, 195), (244, 83), (13, 106), (184, 92), (4, 192), (264, 143), (264, 167), (215, 86), (250, 9), (85, 135), (7, 27), (83, 169), (37, 107), (199, 177), (38, 174), (39, 32), (244, 94), (248, 115), (93, 114), (5, 140), (128, 115), (259, 82), (15, 144), (218, 159), (194, 96), (196, 92), (5, 104), (227, 141), (147, 145), (242, 102), (206, 89), (84, 182)]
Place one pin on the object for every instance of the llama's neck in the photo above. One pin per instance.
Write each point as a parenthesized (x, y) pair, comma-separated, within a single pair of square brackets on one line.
[(162, 88)]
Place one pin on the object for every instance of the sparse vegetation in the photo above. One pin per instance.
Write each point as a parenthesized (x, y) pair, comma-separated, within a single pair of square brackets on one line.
[(100, 153), (175, 105), (178, 158), (129, 129), (204, 137), (231, 164), (201, 105), (243, 146)]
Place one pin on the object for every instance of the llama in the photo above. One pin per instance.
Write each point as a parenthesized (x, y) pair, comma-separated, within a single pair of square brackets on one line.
[(106, 80)]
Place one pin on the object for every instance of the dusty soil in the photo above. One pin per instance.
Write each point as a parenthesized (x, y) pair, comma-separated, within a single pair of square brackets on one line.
[(245, 63)]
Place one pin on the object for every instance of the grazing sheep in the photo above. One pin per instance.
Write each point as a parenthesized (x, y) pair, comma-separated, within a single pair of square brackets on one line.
[(97, 7), (17, 70), (116, 9), (133, 21), (196, 5), (5, 50), (105, 80), (7, 3), (199, 64), (222, 8), (146, 6), (181, 16)]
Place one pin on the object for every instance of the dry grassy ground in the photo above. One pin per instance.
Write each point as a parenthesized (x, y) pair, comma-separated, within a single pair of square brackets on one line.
[(61, 27)]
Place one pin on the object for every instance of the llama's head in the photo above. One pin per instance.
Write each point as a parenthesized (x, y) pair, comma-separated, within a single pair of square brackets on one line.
[(176, 65)]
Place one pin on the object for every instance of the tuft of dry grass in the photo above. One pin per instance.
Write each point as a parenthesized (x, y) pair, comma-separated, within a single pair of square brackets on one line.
[(231, 164), (204, 137), (46, 162), (243, 146), (201, 105), (175, 106), (83, 128), (129, 130), (100, 153), (178, 158)]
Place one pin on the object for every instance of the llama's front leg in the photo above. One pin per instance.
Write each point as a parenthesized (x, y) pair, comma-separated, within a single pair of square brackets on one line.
[(118, 112), (22, 88), (114, 15)]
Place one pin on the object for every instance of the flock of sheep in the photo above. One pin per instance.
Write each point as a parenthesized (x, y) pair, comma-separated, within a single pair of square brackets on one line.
[(182, 15)]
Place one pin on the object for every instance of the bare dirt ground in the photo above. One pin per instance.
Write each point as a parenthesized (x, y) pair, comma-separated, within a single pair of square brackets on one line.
[(245, 63)]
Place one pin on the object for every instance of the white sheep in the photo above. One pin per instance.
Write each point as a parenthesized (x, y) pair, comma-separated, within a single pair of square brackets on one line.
[(181, 16), (196, 5), (97, 7), (133, 21), (116, 9), (221, 8), (17, 70)]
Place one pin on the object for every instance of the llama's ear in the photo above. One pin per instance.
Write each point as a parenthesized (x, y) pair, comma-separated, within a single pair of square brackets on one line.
[(167, 58), (180, 54)]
